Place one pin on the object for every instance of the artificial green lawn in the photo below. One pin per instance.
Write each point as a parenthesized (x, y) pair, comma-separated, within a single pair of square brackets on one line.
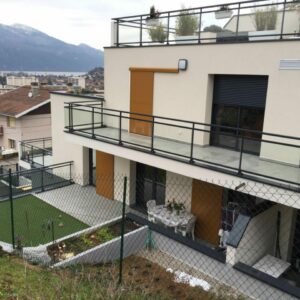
[(32, 219)]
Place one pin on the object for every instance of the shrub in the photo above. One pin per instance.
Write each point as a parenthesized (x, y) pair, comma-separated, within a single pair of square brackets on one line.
[(186, 23), (157, 33)]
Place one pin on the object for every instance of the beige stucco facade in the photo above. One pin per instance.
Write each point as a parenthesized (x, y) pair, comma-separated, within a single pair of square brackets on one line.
[(188, 94)]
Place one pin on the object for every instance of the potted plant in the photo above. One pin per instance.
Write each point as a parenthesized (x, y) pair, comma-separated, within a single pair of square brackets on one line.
[(153, 18), (265, 21), (179, 207), (186, 25), (224, 12), (157, 33)]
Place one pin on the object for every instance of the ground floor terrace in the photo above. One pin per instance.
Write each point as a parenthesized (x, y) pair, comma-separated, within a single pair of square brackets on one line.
[(237, 229), (223, 261)]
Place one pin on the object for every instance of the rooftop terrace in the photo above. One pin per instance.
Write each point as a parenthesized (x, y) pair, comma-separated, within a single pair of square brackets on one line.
[(239, 22)]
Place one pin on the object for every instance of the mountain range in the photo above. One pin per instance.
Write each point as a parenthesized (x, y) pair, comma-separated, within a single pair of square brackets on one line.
[(23, 48)]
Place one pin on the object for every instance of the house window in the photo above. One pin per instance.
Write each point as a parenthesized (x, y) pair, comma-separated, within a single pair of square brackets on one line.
[(11, 144), (11, 122)]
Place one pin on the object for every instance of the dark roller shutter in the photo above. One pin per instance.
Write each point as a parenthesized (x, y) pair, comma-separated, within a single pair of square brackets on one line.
[(240, 90)]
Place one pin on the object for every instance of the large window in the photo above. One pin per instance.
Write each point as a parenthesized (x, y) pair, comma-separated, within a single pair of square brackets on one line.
[(238, 111), (239, 118)]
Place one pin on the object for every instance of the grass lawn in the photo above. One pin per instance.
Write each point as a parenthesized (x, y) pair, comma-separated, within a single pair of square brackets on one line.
[(142, 280), (32, 219)]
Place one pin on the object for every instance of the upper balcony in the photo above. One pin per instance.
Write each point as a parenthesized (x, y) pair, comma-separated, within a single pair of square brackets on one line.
[(265, 157), (239, 22)]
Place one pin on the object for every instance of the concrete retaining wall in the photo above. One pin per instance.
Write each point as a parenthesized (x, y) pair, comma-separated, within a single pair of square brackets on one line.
[(133, 242)]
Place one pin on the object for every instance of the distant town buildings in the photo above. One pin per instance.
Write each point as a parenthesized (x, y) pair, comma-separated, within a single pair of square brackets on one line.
[(77, 81), (20, 80)]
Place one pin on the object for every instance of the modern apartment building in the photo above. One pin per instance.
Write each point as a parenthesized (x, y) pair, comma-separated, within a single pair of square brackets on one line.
[(213, 113)]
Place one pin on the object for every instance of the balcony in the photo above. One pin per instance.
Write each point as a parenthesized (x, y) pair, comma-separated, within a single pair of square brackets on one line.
[(37, 152), (260, 156), (240, 22)]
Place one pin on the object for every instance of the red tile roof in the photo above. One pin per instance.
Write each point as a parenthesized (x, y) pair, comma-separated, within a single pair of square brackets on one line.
[(17, 101)]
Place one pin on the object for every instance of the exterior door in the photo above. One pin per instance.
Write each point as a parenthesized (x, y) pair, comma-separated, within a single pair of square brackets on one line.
[(105, 175), (141, 101), (207, 207), (150, 184)]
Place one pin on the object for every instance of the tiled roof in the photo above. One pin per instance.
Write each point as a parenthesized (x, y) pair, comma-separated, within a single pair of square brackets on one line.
[(17, 101)]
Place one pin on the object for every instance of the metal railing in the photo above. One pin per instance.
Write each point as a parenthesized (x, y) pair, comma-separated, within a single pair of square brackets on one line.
[(231, 22), (19, 181), (257, 155), (36, 151)]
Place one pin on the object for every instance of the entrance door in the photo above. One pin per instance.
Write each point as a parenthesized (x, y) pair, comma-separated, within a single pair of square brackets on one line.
[(105, 174), (239, 103), (141, 101), (207, 207), (150, 184)]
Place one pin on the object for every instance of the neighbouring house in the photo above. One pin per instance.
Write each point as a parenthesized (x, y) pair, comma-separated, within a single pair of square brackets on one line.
[(25, 114), (213, 124)]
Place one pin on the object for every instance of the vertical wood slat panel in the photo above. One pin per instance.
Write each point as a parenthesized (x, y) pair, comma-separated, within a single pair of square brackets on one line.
[(206, 206), (105, 175), (141, 101)]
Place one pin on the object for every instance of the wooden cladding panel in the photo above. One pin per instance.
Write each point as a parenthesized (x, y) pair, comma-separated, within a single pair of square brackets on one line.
[(154, 70), (141, 101), (105, 174), (207, 207)]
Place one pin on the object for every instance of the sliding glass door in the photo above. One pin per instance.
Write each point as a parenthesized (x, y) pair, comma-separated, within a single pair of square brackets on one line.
[(237, 122), (150, 184)]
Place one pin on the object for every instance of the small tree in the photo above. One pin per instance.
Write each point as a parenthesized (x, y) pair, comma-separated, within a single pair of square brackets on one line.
[(157, 33), (186, 23)]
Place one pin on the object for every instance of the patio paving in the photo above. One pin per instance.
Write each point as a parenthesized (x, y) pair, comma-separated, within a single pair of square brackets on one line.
[(83, 203)]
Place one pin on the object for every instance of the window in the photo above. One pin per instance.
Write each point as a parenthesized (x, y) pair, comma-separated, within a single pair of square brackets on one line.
[(11, 144), (11, 122)]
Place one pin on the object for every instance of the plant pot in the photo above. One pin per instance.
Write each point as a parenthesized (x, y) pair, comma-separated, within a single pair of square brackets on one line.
[(223, 14), (152, 21), (186, 39), (263, 35)]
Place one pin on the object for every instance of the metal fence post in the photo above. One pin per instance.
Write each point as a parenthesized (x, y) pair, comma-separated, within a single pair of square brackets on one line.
[(152, 135), (120, 128), (241, 157), (192, 144), (122, 230), (42, 179), (11, 210)]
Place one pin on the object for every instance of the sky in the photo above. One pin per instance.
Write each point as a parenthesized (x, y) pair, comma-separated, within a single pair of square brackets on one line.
[(83, 21)]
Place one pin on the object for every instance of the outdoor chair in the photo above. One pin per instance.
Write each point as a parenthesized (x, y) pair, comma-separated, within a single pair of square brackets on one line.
[(151, 204), (188, 228)]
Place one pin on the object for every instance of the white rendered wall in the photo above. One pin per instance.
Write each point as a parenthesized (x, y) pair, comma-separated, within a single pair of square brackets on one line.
[(64, 150)]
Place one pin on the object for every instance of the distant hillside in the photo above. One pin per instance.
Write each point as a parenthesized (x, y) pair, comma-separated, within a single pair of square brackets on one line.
[(23, 48)]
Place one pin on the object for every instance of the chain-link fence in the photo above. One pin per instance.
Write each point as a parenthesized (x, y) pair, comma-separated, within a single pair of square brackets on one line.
[(205, 240)]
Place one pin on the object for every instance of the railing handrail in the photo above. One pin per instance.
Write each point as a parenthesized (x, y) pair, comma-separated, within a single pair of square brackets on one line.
[(183, 121), (209, 6), (39, 139), (239, 8)]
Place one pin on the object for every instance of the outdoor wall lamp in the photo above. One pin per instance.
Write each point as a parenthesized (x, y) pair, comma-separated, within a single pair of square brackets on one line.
[(182, 64)]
